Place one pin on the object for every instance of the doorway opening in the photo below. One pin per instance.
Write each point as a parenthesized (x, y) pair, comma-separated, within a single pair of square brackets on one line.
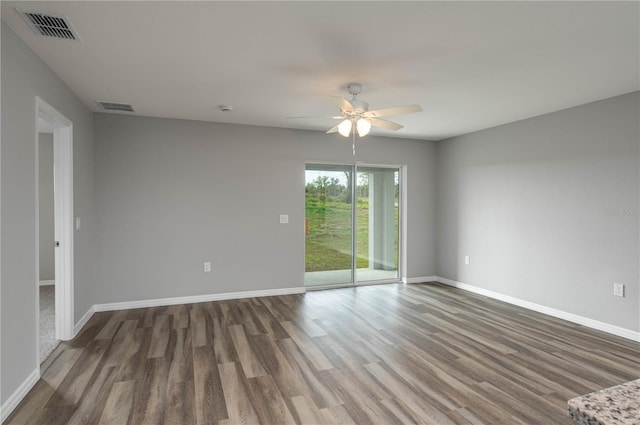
[(46, 239), (54, 128), (353, 225)]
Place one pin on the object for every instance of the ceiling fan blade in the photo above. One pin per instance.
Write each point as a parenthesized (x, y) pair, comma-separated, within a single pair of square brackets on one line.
[(389, 125), (343, 104), (397, 110), (333, 129)]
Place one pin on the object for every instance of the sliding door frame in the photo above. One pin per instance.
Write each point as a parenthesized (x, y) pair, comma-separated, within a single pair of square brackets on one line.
[(402, 198)]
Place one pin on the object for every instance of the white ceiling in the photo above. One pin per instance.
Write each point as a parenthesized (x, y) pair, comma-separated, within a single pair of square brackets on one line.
[(471, 65)]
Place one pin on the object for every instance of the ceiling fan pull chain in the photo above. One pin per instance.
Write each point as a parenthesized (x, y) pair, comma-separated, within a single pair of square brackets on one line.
[(353, 143)]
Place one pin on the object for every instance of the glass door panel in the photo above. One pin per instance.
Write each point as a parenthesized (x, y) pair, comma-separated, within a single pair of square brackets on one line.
[(377, 220), (328, 225)]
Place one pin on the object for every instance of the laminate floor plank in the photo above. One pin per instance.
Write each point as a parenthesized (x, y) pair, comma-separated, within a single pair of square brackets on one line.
[(272, 326), (222, 341), (321, 394), (277, 366), (132, 367), (384, 354), (181, 366), (209, 393), (32, 406), (336, 415), (336, 353), (308, 347), (248, 357), (160, 337), (87, 333), (239, 405), (464, 417), (151, 392), (306, 411), (250, 320), (180, 314), (119, 403), (75, 382), (405, 415), (60, 368), (52, 416), (198, 322), (109, 329), (122, 342), (93, 402), (180, 406), (269, 402), (428, 393)]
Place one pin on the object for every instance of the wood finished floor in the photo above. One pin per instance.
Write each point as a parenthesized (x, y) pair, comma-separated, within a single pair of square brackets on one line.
[(423, 353)]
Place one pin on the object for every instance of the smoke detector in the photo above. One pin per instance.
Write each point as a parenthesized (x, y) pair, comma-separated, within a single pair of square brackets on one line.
[(226, 108)]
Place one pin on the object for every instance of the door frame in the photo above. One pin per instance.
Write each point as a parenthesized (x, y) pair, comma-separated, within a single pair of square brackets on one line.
[(402, 219), (63, 221)]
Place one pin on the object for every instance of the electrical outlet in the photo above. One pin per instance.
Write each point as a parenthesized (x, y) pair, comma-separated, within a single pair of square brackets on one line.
[(467, 260), (618, 289), (207, 266)]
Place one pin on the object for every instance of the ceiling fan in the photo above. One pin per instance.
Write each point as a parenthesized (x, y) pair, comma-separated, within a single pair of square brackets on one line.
[(356, 117)]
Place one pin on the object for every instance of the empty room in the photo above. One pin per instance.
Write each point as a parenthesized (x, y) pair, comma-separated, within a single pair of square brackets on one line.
[(320, 212)]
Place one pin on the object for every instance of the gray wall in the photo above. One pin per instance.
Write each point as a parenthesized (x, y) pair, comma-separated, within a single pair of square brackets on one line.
[(24, 76), (547, 209), (45, 206), (173, 194)]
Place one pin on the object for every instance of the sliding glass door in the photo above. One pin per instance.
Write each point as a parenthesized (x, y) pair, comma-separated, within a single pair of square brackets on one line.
[(352, 225), (378, 220), (328, 225)]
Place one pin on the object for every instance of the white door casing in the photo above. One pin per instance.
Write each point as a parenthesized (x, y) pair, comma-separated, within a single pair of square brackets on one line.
[(63, 221)]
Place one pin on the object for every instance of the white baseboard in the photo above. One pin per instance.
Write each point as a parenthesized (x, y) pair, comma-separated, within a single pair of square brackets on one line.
[(47, 282), (126, 305), (419, 279), (17, 396), (570, 317)]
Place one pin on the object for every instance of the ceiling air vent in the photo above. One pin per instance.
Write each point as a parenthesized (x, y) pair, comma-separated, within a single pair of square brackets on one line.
[(49, 25), (113, 106)]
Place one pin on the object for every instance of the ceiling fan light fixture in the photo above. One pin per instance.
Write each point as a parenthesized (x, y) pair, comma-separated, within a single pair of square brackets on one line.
[(363, 126), (344, 128)]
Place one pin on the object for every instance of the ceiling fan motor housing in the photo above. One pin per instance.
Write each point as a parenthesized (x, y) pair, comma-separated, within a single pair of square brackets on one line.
[(354, 89), (359, 106)]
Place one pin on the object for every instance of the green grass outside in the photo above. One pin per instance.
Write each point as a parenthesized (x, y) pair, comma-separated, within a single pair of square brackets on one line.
[(328, 244)]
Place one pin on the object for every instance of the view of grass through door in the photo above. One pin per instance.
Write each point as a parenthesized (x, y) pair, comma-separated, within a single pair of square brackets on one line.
[(332, 214)]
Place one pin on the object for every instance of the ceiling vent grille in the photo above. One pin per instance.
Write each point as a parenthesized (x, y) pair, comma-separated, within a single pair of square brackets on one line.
[(49, 25), (113, 106)]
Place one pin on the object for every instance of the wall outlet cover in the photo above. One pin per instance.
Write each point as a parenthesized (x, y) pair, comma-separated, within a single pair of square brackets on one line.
[(618, 289)]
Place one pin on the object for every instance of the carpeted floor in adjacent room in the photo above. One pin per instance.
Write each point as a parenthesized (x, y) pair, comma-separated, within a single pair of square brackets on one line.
[(48, 341)]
